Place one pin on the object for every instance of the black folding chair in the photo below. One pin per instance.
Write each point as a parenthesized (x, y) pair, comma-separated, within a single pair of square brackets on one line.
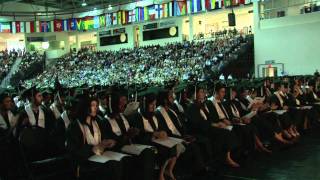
[(41, 162)]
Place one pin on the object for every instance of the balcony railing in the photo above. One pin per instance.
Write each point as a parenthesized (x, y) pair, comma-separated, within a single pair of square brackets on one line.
[(277, 8)]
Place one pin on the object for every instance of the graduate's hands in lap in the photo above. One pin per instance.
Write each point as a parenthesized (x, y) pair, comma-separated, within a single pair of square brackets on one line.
[(189, 138), (108, 143), (98, 149), (132, 132), (246, 120), (227, 122), (160, 135), (285, 107)]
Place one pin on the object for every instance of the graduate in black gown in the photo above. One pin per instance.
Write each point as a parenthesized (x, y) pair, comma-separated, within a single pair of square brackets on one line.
[(34, 114), (240, 117), (7, 116), (86, 136), (120, 128), (175, 127), (148, 124), (201, 122)]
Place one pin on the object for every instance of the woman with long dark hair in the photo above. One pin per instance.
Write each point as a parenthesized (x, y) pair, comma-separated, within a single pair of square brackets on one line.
[(87, 137), (150, 130)]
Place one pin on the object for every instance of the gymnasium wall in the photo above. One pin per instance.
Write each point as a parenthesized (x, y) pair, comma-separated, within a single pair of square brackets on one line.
[(291, 40)]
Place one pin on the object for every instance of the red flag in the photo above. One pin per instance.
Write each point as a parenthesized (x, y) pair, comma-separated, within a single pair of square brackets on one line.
[(18, 27), (58, 26), (32, 26)]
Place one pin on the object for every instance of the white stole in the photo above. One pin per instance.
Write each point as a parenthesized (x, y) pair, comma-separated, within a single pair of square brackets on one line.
[(180, 108), (31, 117), (115, 126), (235, 111), (168, 120), (11, 119), (55, 110), (87, 136), (65, 118), (279, 98), (147, 126), (219, 110), (204, 116), (315, 95)]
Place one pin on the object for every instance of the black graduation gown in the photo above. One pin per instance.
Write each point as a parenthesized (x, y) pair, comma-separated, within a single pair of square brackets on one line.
[(141, 166), (193, 151), (144, 137), (80, 152), (222, 140)]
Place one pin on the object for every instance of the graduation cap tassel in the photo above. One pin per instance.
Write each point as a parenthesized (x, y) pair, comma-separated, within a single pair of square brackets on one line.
[(136, 97), (195, 93), (110, 108)]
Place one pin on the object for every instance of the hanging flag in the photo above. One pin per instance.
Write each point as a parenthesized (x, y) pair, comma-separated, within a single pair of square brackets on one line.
[(102, 21), (227, 3), (159, 11), (151, 12), (17, 27), (195, 6), (125, 17), (170, 13), (109, 19), (44, 26), (58, 25), (88, 23), (96, 22), (137, 13), (248, 1), (72, 24), (189, 9), (114, 18), (145, 13), (37, 26), (132, 16), (65, 25), (235, 2), (51, 26), (210, 4), (119, 15), (165, 10), (203, 5), (220, 4), (22, 27), (181, 7), (80, 24), (5, 27)]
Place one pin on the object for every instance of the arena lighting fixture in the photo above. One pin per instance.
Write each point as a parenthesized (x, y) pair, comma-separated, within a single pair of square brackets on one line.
[(109, 7), (84, 3)]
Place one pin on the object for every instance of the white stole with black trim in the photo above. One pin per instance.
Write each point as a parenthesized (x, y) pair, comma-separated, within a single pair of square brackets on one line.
[(11, 119), (147, 126), (65, 118), (32, 119), (115, 126), (168, 120)]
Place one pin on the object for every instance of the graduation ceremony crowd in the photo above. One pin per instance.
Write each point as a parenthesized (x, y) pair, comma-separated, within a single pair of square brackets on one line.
[(179, 130), (151, 64)]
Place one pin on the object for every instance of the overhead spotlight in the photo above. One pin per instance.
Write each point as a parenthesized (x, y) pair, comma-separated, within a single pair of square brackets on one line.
[(95, 8), (109, 7), (84, 3)]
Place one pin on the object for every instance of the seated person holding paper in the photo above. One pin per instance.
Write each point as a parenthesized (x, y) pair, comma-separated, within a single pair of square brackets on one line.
[(151, 133), (87, 137), (200, 122), (175, 127), (242, 117), (221, 119), (283, 103), (120, 129)]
